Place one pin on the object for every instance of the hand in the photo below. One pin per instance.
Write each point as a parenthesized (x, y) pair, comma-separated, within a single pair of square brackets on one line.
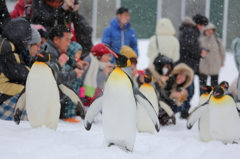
[(78, 72), (63, 58), (204, 53), (69, 5), (82, 65), (108, 68)]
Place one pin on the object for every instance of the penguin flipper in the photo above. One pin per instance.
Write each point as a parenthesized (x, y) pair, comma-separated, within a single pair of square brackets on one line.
[(92, 111), (20, 105), (196, 114), (168, 110), (238, 105), (67, 90), (144, 102)]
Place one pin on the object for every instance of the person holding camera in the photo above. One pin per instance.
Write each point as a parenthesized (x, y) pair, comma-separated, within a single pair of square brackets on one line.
[(172, 90), (49, 13), (211, 64)]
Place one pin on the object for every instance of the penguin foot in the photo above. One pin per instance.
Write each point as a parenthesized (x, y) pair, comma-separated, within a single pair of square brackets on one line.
[(17, 116), (72, 120), (110, 144)]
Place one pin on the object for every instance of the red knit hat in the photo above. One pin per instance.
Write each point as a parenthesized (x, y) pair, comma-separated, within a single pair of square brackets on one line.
[(100, 49)]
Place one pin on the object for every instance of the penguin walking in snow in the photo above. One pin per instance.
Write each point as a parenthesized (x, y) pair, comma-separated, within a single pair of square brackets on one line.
[(224, 122), (41, 95), (119, 107), (144, 123)]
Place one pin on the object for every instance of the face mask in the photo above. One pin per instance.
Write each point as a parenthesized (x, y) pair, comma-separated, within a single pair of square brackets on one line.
[(164, 70)]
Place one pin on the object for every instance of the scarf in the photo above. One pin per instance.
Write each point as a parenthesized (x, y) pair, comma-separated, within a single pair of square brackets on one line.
[(90, 81)]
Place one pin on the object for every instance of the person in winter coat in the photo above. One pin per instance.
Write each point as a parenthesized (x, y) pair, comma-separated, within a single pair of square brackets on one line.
[(57, 45), (166, 43), (49, 13), (96, 75), (211, 64), (120, 32), (172, 89), (190, 50), (236, 51), (33, 48), (22, 8), (74, 52), (17, 34), (4, 15)]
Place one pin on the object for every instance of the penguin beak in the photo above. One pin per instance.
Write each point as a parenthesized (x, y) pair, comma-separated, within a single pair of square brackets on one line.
[(41, 55), (114, 54), (204, 88), (216, 94)]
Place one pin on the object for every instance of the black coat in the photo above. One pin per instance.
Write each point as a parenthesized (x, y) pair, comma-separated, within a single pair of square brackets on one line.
[(48, 17), (189, 46), (4, 15)]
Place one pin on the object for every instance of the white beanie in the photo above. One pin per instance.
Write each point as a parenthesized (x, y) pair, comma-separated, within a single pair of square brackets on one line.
[(36, 38)]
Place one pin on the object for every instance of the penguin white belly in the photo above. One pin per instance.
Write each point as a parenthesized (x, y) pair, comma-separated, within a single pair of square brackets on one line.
[(224, 120), (119, 110), (203, 123), (42, 97), (144, 122)]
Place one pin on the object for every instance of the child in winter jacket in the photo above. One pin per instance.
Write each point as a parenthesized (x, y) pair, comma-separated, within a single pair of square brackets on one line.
[(68, 112), (96, 75), (211, 64)]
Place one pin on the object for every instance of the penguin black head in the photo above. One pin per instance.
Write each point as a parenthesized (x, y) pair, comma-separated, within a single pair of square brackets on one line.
[(121, 60), (218, 91), (206, 89), (224, 84), (148, 78), (43, 57)]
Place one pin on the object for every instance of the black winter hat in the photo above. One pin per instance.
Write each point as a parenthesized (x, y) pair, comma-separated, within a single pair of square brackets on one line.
[(160, 61), (200, 19), (19, 32)]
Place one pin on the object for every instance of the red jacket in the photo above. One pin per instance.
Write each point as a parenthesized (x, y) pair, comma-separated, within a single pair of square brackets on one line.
[(19, 9)]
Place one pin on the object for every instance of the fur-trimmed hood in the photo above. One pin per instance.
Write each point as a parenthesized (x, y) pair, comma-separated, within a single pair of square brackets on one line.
[(188, 21), (183, 68)]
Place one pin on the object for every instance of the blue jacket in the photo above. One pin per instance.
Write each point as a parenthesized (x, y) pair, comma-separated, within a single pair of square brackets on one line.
[(116, 37)]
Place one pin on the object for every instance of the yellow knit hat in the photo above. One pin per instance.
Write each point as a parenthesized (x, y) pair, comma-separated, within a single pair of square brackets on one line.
[(128, 52)]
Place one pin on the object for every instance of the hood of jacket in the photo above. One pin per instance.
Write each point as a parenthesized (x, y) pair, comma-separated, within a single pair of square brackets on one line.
[(182, 68), (210, 26), (114, 23), (6, 47), (18, 31), (165, 27)]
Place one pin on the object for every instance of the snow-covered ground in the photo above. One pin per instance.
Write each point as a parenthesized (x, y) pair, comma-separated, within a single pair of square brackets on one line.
[(73, 141)]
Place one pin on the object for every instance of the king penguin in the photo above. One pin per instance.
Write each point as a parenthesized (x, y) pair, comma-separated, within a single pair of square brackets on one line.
[(144, 122), (119, 107), (224, 122), (41, 95)]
